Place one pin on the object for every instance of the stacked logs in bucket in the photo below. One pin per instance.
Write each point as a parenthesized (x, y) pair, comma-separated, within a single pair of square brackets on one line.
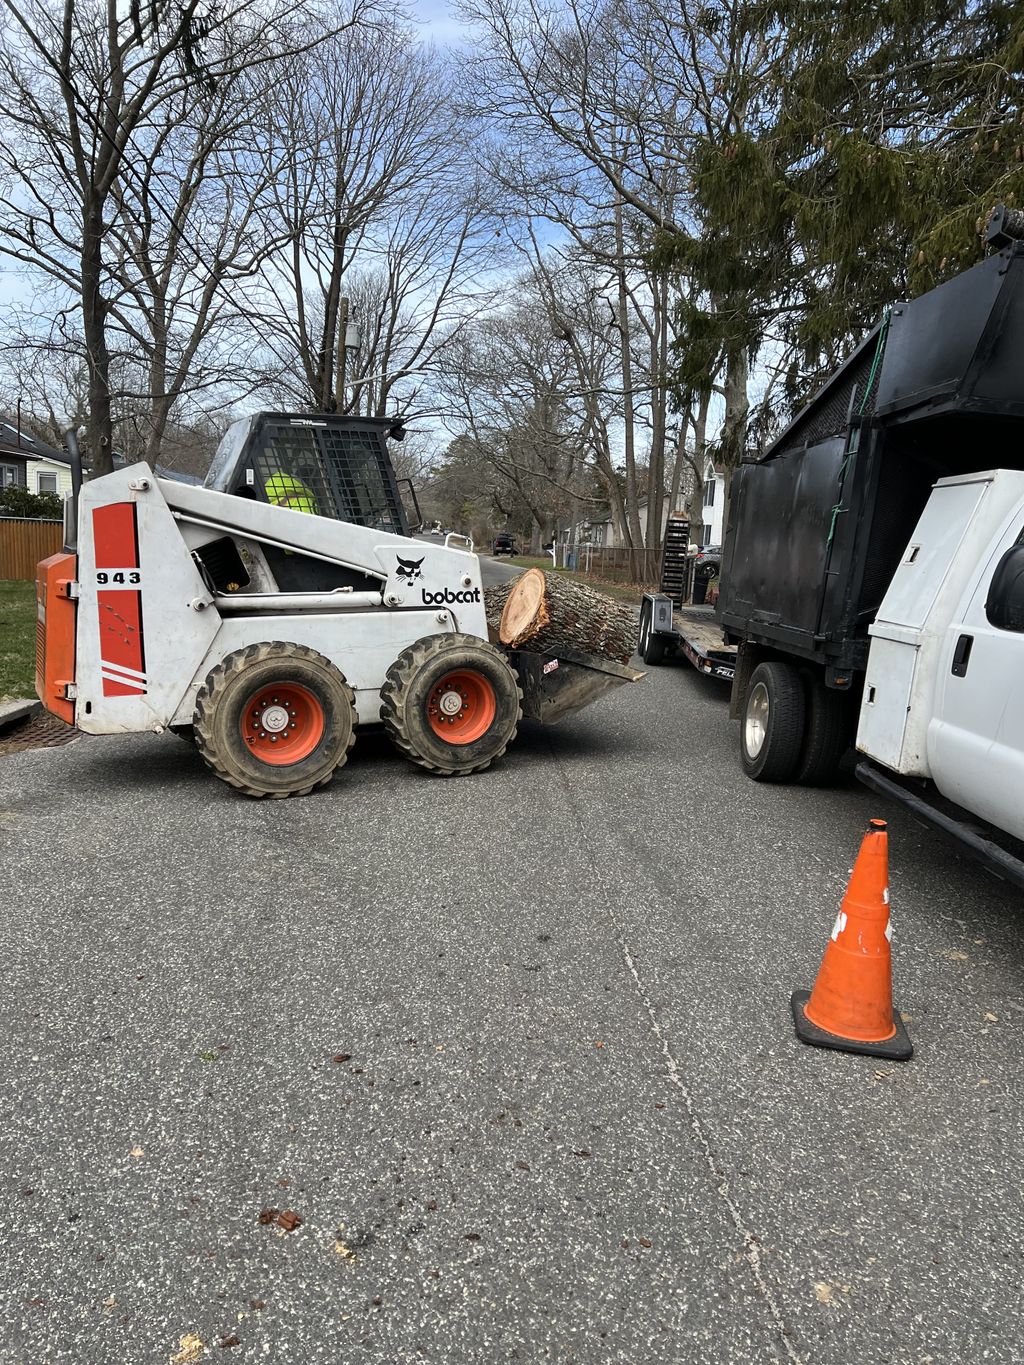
[(548, 614)]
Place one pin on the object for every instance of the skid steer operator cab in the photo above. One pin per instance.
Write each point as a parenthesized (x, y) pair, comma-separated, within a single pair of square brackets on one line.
[(327, 465), (332, 466)]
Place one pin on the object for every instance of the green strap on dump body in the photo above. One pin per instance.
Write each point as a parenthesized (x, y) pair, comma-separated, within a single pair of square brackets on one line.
[(883, 332)]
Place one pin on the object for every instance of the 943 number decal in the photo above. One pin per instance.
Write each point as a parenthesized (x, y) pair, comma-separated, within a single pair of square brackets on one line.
[(120, 578)]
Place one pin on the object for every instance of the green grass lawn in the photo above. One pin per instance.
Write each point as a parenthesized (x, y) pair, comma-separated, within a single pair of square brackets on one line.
[(624, 592), (17, 640)]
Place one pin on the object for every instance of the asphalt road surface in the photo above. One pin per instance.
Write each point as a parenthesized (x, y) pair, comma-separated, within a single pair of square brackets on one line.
[(515, 1048)]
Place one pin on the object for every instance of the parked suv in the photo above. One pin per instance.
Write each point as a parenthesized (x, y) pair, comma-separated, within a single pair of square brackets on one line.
[(504, 544)]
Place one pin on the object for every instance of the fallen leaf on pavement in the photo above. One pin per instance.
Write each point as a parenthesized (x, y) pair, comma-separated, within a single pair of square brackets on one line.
[(256, 1305), (190, 1349), (644, 1241), (137, 1151), (599, 1044), (826, 1293), (953, 955), (582, 1152), (523, 1165), (268, 1215), (342, 1057), (283, 1183), (472, 1236), (289, 1220), (232, 1340), (992, 1018), (110, 1302), (342, 1250)]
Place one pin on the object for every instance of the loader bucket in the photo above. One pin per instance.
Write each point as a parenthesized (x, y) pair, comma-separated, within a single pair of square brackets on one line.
[(556, 685)]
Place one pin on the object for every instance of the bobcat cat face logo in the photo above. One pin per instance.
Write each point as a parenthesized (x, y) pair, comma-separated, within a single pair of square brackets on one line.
[(409, 569)]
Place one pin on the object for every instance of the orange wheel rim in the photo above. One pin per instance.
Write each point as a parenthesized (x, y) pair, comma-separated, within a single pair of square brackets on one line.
[(282, 724), (461, 707)]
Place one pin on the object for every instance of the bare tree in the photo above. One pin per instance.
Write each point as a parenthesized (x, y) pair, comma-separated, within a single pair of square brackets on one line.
[(84, 90), (384, 228)]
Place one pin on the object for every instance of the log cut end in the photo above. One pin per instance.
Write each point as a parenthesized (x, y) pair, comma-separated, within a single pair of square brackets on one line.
[(546, 613), (526, 610)]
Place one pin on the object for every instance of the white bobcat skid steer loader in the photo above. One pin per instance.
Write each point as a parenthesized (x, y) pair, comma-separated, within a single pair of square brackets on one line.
[(266, 631)]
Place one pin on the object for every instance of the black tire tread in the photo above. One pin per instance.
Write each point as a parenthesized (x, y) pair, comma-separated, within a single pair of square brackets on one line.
[(215, 683), (828, 733), (783, 745), (394, 692)]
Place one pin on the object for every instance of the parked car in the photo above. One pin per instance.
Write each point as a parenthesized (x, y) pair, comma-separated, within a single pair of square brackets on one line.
[(708, 562), (504, 544)]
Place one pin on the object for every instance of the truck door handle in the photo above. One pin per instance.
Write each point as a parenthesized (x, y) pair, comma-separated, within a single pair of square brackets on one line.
[(962, 656)]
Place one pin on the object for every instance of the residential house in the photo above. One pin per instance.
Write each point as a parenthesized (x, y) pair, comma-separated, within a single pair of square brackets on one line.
[(712, 506), (27, 462)]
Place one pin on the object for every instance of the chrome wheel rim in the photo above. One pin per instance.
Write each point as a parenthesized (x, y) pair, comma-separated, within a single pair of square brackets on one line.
[(755, 722)]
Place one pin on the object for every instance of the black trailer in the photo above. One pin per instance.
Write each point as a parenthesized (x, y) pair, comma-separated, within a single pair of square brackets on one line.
[(670, 632), (817, 526)]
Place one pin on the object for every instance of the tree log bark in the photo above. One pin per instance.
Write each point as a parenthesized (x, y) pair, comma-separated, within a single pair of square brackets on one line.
[(547, 613), (495, 598)]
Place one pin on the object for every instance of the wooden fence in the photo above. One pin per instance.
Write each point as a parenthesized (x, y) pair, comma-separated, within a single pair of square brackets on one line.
[(23, 543)]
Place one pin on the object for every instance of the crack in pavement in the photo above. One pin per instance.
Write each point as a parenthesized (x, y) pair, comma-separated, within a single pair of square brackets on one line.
[(751, 1245)]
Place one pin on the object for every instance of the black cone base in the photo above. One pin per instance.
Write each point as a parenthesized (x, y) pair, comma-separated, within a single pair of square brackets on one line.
[(898, 1048)]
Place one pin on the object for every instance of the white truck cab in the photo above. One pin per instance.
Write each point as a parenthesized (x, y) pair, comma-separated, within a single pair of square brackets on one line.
[(942, 707)]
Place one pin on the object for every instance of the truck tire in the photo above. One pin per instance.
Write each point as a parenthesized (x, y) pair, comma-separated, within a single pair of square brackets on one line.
[(275, 720), (451, 704), (650, 647), (828, 733), (772, 723)]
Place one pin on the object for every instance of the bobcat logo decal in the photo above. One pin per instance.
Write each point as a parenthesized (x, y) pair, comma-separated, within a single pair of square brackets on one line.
[(409, 569)]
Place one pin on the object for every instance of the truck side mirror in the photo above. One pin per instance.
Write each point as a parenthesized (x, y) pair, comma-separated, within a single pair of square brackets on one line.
[(1005, 605)]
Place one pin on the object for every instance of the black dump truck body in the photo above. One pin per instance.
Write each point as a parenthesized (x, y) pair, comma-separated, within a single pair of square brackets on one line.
[(818, 524)]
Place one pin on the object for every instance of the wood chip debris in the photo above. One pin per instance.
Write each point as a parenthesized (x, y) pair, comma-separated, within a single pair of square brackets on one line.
[(191, 1348)]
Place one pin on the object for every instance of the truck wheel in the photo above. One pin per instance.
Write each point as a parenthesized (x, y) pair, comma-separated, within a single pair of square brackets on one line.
[(651, 647), (275, 720), (772, 723), (829, 733), (451, 703)]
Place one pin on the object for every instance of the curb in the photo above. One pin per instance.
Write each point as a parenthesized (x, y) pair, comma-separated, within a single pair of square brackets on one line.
[(11, 712)]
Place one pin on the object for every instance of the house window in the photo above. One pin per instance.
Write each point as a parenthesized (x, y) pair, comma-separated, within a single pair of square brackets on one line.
[(706, 539), (46, 482), (709, 492), (8, 475)]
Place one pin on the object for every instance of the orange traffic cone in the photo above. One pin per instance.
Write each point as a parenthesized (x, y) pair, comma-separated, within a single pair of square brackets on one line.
[(850, 1008)]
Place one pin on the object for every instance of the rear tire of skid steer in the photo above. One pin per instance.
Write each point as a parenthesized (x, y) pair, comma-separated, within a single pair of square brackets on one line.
[(451, 704), (275, 720)]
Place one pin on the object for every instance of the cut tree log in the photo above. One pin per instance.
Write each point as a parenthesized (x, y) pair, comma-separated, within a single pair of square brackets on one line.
[(547, 613), (495, 598)]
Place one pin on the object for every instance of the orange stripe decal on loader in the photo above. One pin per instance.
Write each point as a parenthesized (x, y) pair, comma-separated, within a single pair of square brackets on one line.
[(119, 599)]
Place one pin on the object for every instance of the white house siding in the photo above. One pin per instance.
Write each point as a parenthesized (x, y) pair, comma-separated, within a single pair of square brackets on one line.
[(713, 507), (33, 468)]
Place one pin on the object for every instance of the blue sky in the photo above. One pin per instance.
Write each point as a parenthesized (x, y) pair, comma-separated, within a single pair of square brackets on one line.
[(438, 22)]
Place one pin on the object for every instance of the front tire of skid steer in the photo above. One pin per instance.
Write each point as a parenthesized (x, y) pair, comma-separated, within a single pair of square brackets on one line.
[(275, 720), (451, 704)]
